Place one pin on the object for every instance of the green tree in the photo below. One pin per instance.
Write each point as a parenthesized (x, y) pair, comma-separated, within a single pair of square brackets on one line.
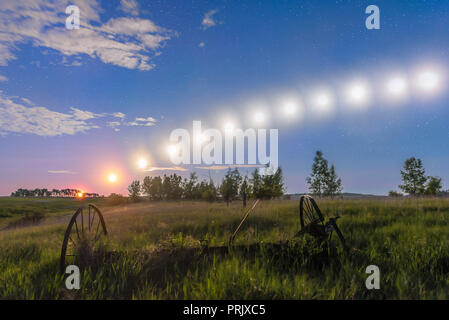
[(146, 186), (277, 187), (434, 186), (269, 185), (208, 191), (152, 187), (394, 194), (333, 184), (272, 184), (318, 178), (172, 187), (134, 190), (413, 177), (191, 187), (229, 188), (245, 190), (256, 184)]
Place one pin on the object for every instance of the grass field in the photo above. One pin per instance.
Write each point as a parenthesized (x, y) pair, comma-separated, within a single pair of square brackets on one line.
[(160, 251)]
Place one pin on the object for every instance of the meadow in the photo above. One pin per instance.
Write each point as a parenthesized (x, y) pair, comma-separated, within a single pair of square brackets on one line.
[(170, 250)]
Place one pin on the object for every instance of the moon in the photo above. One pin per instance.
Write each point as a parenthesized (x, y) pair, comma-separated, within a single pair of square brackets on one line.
[(112, 178), (142, 163)]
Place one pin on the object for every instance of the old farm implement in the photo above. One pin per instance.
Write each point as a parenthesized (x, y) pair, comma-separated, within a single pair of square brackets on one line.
[(83, 235), (311, 220), (87, 229)]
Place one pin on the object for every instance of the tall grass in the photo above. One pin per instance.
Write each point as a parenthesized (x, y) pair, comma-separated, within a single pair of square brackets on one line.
[(172, 251)]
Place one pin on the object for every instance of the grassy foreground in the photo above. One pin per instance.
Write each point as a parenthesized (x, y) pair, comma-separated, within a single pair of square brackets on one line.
[(160, 251)]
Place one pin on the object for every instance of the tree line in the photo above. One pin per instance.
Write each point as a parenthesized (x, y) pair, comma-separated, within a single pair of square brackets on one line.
[(322, 182), (70, 193), (232, 186), (415, 182)]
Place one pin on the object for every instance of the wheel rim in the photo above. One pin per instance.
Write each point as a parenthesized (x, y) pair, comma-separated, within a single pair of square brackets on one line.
[(84, 232), (309, 212)]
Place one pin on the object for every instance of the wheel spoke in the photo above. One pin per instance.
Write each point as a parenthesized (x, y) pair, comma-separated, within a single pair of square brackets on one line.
[(93, 218), (73, 242), (305, 210), (309, 211), (82, 222), (301, 208), (307, 207), (77, 231), (96, 231)]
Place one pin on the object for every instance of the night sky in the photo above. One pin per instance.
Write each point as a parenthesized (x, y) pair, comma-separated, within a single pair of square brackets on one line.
[(78, 105)]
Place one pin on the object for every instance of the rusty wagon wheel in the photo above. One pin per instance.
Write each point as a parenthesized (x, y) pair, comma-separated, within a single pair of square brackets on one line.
[(312, 222), (309, 213), (84, 232)]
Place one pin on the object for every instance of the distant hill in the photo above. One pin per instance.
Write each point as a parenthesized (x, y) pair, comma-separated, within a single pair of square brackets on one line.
[(345, 195)]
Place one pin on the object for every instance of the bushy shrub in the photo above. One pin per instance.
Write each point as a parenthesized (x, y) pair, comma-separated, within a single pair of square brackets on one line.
[(29, 219), (117, 199), (395, 194)]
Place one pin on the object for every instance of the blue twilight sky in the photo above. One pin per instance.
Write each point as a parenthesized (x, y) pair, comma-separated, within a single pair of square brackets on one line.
[(76, 105)]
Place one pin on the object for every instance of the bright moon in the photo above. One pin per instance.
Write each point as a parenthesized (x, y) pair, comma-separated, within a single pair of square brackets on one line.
[(323, 100), (290, 108), (172, 150), (357, 93), (259, 117), (428, 81), (397, 86), (142, 163), (323, 103), (229, 127), (112, 177)]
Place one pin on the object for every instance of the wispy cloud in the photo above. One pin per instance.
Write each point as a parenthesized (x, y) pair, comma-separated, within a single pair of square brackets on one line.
[(3, 78), (225, 167), (146, 122), (128, 42), (27, 101), (17, 118), (149, 119), (76, 63), (138, 122), (61, 172), (208, 20), (22, 116), (167, 169), (119, 115), (130, 7), (84, 115)]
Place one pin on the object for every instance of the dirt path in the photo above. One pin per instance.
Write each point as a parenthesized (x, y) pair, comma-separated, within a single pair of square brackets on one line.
[(65, 219)]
